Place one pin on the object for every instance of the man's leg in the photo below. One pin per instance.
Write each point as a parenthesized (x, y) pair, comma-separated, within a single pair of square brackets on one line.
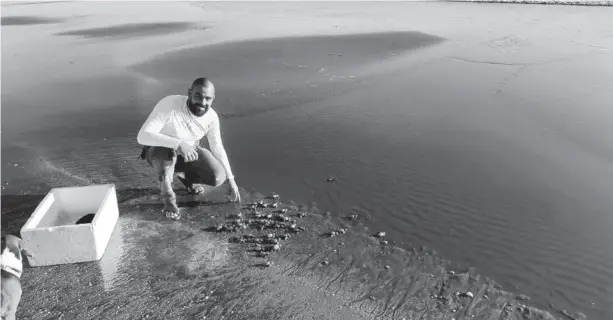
[(163, 161), (206, 170)]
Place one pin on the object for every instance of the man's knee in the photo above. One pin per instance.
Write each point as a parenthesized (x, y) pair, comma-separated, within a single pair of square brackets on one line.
[(218, 174), (219, 177)]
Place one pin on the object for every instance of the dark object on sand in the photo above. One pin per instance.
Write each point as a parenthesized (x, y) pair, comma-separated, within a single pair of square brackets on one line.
[(88, 218)]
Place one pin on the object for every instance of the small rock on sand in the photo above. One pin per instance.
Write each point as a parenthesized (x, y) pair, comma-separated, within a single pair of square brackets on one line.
[(380, 234)]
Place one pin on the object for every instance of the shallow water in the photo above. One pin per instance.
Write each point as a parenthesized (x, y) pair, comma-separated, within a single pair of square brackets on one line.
[(506, 167)]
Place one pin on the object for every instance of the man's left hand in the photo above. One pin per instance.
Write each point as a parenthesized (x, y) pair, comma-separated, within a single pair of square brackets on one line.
[(234, 192)]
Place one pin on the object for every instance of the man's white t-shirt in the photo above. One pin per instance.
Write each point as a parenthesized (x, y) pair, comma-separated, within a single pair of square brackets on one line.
[(171, 122)]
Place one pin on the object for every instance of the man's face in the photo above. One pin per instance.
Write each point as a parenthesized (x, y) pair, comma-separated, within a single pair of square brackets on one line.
[(201, 99)]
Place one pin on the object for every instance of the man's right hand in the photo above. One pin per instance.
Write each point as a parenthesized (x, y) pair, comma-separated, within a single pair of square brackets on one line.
[(189, 152)]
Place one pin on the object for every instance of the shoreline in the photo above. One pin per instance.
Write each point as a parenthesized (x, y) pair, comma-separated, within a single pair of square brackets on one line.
[(201, 270)]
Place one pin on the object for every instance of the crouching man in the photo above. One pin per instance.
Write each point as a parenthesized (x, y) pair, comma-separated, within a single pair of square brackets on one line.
[(171, 136)]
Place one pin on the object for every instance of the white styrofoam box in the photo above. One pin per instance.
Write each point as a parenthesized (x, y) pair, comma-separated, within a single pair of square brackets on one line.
[(51, 235)]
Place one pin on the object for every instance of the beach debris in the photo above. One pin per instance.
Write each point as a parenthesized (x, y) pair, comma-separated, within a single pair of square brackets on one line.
[(268, 263), (522, 297), (467, 294), (301, 214), (451, 272), (325, 262), (274, 196), (330, 179), (353, 217), (387, 267), (380, 234), (274, 205), (486, 297), (577, 316), (384, 242)]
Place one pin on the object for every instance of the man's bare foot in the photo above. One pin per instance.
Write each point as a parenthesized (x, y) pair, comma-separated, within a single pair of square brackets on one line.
[(170, 214), (192, 188), (195, 189), (171, 210)]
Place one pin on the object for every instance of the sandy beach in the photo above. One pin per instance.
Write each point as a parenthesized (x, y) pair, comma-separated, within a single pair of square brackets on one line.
[(477, 136)]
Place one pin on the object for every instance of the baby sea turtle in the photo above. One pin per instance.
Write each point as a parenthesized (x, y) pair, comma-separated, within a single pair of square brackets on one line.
[(353, 217), (330, 179), (283, 236)]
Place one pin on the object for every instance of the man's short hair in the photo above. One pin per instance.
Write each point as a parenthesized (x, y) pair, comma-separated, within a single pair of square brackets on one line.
[(202, 82)]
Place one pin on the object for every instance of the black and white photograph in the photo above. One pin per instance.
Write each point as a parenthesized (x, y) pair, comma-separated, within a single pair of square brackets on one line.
[(306, 160)]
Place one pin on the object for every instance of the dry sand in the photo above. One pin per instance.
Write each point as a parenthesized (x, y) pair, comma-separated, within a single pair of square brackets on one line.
[(101, 78)]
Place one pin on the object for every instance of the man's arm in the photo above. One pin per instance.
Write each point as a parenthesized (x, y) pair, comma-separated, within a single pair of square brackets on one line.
[(217, 148), (149, 134)]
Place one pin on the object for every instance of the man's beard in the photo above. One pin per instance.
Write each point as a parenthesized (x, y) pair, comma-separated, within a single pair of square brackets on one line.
[(196, 109)]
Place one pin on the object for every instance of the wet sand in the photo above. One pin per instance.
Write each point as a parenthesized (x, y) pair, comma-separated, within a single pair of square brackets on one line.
[(443, 131), (157, 269)]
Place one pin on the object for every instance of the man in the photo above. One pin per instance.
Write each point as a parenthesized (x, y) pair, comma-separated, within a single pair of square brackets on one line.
[(171, 136)]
